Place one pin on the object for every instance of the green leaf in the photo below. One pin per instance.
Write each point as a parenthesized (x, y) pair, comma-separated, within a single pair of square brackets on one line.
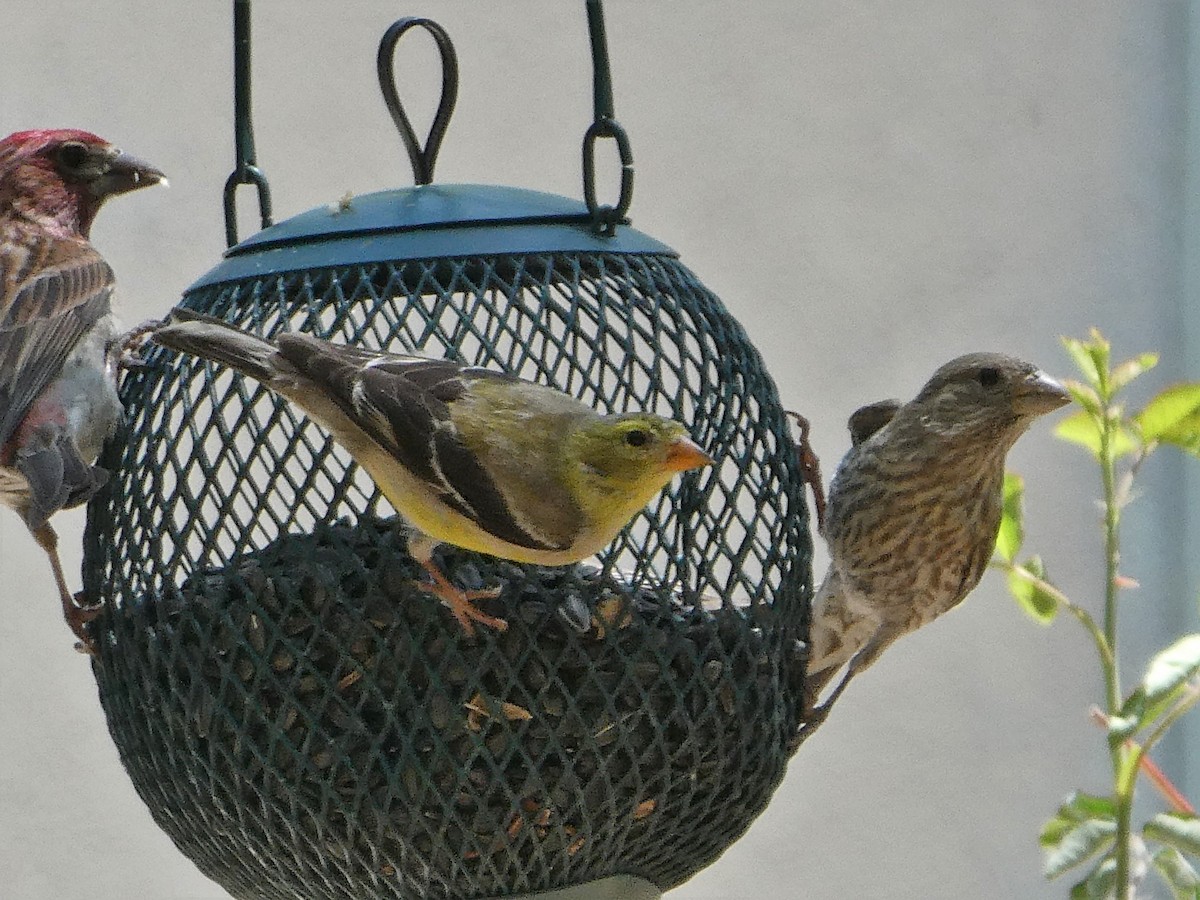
[(1166, 679), (1100, 350), (1186, 437), (1130, 369), (1083, 842), (1083, 827), (1175, 830), (1171, 668), (1078, 807), (1039, 605), (1103, 879), (1121, 727), (1084, 395), (1085, 360), (1099, 883), (1089, 806), (1131, 717), (1173, 417), (1083, 429), (1012, 527), (1168, 408), (1178, 874), (1080, 428)]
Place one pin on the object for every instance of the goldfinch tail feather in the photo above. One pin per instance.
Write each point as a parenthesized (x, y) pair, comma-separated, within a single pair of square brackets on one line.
[(212, 339)]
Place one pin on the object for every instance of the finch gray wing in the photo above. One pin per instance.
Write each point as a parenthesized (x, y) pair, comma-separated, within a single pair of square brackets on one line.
[(54, 291)]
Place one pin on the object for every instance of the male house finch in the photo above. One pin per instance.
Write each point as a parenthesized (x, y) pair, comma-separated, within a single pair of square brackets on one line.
[(468, 456), (914, 508), (58, 399)]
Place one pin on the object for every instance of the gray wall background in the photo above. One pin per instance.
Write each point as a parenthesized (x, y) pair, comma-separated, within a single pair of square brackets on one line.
[(872, 187)]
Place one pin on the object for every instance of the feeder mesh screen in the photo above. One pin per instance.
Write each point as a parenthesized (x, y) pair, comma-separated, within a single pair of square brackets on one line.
[(305, 722)]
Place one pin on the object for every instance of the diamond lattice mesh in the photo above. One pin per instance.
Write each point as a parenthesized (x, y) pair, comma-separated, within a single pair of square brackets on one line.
[(305, 723)]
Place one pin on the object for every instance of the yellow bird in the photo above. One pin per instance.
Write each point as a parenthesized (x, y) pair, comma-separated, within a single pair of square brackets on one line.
[(468, 456)]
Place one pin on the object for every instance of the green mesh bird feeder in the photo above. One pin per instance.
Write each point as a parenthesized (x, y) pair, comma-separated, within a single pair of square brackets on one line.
[(303, 720)]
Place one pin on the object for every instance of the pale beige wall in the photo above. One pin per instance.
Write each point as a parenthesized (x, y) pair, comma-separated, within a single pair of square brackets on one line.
[(872, 187)]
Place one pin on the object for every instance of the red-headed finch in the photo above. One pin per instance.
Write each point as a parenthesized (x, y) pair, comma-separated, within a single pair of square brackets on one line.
[(468, 456), (914, 508), (58, 398)]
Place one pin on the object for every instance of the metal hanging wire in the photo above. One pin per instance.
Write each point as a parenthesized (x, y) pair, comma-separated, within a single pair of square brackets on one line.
[(246, 170), (605, 218)]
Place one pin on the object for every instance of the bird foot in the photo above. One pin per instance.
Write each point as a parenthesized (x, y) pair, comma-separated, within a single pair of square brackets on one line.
[(130, 345), (459, 602), (78, 614), (810, 467)]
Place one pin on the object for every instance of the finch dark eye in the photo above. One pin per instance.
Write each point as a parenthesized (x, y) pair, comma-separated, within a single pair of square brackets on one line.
[(636, 438), (989, 377), (72, 155)]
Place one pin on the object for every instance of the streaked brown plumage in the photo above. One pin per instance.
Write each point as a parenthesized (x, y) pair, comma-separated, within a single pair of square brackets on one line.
[(914, 508), (58, 399)]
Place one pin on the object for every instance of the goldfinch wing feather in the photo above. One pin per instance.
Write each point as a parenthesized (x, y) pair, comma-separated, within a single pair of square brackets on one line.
[(403, 403)]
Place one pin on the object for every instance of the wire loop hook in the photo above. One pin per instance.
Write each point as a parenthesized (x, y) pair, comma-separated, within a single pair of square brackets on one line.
[(423, 159), (605, 217)]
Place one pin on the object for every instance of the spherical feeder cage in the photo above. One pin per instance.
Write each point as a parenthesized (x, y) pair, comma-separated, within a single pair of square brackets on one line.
[(300, 717)]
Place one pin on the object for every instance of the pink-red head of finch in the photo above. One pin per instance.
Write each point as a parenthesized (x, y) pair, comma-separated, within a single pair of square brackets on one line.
[(915, 506), (59, 178), (58, 399)]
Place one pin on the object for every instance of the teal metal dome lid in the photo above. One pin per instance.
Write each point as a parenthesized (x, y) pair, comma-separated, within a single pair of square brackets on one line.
[(429, 221)]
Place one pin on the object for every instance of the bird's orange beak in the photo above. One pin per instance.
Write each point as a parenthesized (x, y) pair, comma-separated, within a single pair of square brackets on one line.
[(684, 453)]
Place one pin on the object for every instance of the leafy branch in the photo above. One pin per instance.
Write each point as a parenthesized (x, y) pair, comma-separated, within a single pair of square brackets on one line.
[(1089, 829)]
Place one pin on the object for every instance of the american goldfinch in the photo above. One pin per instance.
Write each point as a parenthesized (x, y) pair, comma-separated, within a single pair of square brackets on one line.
[(466, 455), (58, 396), (915, 505)]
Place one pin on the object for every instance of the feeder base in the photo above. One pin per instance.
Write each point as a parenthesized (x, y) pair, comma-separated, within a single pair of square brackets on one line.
[(615, 887)]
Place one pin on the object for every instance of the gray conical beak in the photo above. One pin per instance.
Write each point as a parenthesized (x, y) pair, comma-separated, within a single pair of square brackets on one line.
[(126, 173), (1039, 394)]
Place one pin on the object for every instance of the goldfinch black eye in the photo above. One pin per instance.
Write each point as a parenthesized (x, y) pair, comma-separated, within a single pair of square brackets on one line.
[(72, 155), (989, 377), (636, 438)]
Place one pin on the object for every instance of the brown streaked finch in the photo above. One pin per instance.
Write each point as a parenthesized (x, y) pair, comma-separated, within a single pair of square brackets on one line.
[(914, 509), (58, 395)]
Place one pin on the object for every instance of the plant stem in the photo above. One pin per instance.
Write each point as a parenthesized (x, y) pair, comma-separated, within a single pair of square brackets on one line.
[(1157, 776), (1107, 661), (1124, 818), (1124, 776), (1189, 699), (1127, 780), (1112, 556), (1119, 752)]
